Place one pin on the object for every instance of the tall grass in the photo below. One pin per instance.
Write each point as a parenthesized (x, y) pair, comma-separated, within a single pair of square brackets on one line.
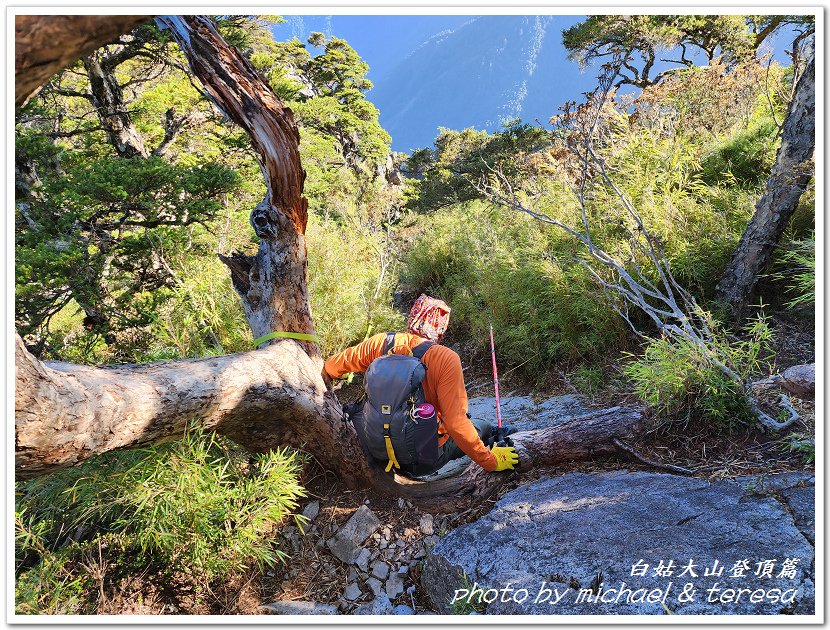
[(200, 505), (682, 383), (694, 192), (800, 257)]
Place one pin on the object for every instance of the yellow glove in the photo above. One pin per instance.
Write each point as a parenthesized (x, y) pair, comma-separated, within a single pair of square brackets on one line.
[(506, 457)]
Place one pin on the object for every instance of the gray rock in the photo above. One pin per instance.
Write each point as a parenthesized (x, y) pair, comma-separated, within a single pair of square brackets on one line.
[(380, 570), (581, 528), (801, 502), (352, 591), (288, 607), (807, 604), (288, 532), (360, 525), (312, 510), (770, 484), (522, 413), (344, 550), (362, 560), (379, 606), (394, 585), (403, 570), (796, 489), (375, 585), (559, 408), (513, 408), (800, 380), (345, 544), (426, 524), (402, 609)]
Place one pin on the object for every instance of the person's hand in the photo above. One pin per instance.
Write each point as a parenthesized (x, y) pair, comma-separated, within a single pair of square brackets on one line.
[(506, 457)]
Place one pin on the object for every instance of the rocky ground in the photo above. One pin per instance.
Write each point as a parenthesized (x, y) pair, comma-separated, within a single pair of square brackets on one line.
[(631, 542), (363, 554), (362, 566)]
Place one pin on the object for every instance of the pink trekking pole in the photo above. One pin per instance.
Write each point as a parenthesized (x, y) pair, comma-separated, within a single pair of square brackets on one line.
[(501, 440)]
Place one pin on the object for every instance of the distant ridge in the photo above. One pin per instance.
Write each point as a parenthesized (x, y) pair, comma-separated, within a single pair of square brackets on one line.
[(489, 70)]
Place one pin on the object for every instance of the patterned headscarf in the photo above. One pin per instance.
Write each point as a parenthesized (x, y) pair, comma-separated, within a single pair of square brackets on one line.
[(429, 318)]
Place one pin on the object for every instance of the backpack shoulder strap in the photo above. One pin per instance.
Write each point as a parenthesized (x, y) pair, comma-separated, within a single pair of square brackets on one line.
[(388, 344), (421, 349)]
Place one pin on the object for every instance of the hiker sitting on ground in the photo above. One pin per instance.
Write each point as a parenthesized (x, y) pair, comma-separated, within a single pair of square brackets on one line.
[(443, 388)]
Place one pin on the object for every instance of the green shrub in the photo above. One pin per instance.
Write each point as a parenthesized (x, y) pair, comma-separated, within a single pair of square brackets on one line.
[(588, 379), (744, 158), (800, 257), (52, 585), (492, 264), (698, 224), (682, 381), (351, 293), (203, 310), (802, 444), (199, 505)]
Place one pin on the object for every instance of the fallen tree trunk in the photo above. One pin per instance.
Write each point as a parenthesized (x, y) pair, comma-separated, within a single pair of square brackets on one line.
[(65, 414), (578, 439)]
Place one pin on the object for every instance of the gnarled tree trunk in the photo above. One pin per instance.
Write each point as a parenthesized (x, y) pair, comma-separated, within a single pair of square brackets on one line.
[(273, 284), (67, 413), (45, 44), (108, 98), (790, 176)]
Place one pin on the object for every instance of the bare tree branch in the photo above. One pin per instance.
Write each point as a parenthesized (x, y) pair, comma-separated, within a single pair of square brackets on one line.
[(670, 306)]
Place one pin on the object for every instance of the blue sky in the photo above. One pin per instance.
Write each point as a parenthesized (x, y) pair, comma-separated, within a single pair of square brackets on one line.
[(386, 41), (381, 40)]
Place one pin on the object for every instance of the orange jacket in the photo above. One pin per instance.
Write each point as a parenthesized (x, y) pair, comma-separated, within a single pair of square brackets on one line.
[(443, 387)]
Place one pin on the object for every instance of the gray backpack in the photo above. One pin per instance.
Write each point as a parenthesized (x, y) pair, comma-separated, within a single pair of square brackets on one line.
[(399, 427)]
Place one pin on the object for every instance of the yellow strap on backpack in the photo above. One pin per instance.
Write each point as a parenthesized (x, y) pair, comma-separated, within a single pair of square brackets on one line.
[(390, 452)]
